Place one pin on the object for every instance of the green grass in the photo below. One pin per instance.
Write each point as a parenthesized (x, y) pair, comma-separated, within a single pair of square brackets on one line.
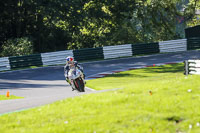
[(3, 97), (170, 109)]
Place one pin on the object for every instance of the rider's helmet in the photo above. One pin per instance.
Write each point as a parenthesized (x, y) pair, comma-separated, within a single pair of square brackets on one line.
[(69, 60)]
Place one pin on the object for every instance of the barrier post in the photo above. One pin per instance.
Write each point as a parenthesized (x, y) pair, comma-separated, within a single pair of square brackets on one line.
[(186, 67)]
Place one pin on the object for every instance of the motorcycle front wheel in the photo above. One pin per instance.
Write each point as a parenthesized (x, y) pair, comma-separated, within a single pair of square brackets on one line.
[(80, 86)]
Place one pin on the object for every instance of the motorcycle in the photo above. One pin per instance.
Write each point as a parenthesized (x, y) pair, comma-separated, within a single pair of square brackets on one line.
[(76, 78)]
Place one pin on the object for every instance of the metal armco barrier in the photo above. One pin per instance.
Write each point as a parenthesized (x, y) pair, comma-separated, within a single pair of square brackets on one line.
[(173, 46), (148, 48), (193, 43), (88, 54), (192, 67), (106, 52), (25, 61), (117, 51), (55, 58), (4, 64)]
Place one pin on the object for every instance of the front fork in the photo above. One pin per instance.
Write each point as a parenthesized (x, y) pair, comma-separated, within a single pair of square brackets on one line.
[(73, 83), (83, 78)]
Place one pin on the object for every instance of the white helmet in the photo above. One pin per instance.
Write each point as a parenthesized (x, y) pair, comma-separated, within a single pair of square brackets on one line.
[(69, 59)]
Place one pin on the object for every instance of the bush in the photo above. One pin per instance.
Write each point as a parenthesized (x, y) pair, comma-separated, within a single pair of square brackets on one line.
[(17, 47)]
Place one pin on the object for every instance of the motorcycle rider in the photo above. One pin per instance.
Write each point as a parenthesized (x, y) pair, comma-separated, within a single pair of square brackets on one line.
[(70, 62)]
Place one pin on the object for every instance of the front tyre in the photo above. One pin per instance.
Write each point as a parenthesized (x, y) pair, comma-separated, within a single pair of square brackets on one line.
[(80, 85)]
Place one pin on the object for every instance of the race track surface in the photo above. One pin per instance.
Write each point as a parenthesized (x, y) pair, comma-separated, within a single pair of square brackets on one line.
[(45, 85)]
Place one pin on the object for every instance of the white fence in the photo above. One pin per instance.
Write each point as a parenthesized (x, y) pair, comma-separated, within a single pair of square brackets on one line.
[(4, 64), (173, 46), (55, 58), (194, 66), (117, 51)]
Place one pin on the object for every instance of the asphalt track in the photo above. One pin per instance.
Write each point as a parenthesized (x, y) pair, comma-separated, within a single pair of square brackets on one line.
[(45, 85)]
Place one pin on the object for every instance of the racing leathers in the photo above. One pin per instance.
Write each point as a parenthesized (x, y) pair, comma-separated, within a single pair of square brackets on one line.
[(67, 68)]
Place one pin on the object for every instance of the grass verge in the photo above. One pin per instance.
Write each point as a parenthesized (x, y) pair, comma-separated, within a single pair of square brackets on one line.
[(4, 97), (158, 100)]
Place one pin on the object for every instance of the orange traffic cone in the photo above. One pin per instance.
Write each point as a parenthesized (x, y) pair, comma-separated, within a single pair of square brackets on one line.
[(150, 92), (8, 94)]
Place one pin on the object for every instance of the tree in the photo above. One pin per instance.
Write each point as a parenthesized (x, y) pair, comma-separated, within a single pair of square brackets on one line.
[(63, 24), (17, 47), (192, 17)]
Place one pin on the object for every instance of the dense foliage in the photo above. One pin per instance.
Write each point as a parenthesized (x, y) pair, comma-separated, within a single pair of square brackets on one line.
[(17, 47), (193, 6), (70, 24)]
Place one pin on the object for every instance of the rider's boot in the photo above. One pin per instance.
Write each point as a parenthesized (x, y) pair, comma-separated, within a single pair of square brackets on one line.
[(68, 81)]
